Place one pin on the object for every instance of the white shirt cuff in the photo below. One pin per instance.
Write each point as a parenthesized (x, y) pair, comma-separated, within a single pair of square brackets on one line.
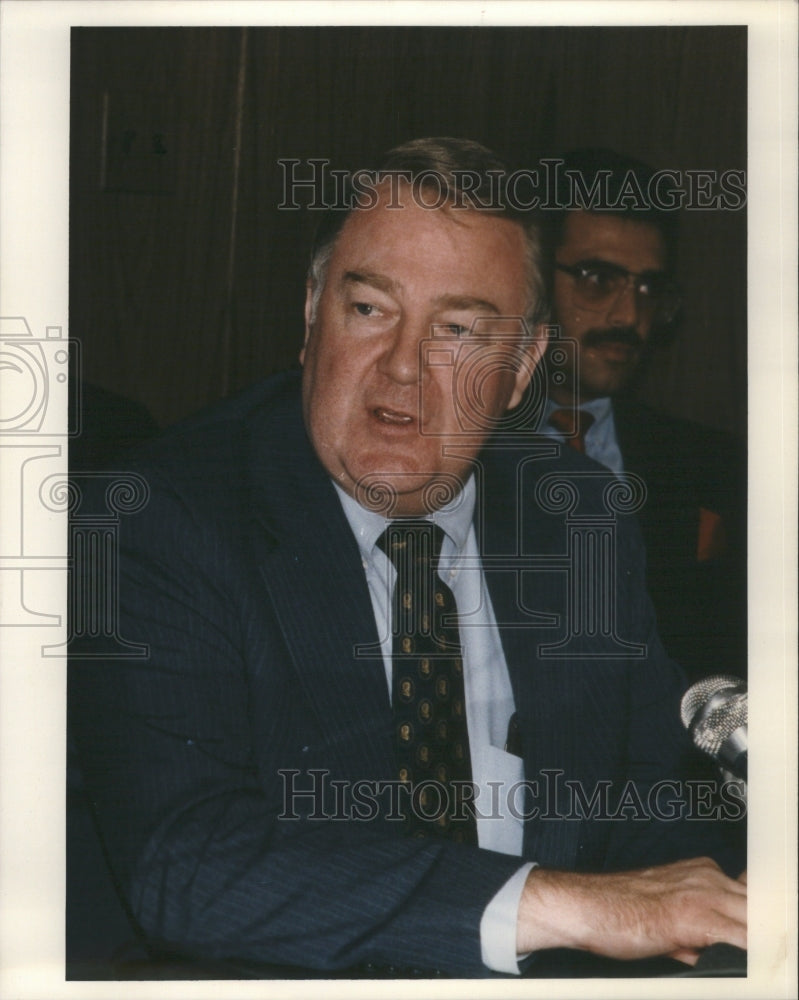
[(498, 924)]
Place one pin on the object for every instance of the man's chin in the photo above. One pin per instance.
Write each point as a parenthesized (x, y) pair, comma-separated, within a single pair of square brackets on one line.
[(610, 382), (608, 373)]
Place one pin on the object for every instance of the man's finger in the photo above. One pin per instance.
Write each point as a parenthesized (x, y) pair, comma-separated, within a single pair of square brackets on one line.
[(689, 956)]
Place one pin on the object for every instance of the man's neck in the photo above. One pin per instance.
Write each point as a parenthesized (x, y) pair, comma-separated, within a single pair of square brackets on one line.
[(566, 398)]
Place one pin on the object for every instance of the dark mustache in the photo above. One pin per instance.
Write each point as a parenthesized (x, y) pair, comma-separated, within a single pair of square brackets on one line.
[(626, 335)]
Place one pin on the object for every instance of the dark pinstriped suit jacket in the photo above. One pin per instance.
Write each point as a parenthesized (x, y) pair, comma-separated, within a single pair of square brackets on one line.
[(242, 576)]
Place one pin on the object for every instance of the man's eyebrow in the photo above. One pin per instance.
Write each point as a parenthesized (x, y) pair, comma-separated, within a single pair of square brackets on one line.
[(466, 303), (372, 278), (385, 284), (603, 262)]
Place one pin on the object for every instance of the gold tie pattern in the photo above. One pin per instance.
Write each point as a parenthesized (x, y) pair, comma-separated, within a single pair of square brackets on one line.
[(431, 737), (573, 425)]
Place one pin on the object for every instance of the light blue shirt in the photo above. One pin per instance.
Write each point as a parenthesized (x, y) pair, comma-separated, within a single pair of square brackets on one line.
[(601, 442), (489, 696)]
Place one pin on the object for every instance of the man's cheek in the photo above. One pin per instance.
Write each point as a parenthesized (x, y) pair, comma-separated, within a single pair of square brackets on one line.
[(431, 413)]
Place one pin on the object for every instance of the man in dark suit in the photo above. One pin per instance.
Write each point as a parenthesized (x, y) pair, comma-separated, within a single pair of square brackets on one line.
[(263, 776), (613, 295)]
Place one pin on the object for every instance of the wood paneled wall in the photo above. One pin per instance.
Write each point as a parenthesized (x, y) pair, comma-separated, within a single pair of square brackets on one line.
[(192, 287)]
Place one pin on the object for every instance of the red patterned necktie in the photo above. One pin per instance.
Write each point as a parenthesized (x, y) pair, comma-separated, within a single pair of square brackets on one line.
[(431, 739), (573, 425)]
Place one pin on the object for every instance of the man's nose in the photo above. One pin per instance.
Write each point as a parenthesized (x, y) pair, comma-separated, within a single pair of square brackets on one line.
[(400, 360), (623, 309)]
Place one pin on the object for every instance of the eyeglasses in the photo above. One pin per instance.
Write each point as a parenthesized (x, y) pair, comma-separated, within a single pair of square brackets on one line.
[(598, 284)]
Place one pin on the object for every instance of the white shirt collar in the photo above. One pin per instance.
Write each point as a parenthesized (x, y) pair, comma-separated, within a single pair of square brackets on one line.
[(455, 518)]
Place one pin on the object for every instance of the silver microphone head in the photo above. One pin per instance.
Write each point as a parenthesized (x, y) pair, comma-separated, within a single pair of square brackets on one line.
[(715, 711)]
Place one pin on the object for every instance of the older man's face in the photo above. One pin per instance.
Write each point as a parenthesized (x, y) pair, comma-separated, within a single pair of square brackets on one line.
[(398, 394)]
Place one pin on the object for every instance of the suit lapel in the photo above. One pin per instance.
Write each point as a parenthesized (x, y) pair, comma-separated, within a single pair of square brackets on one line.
[(311, 567)]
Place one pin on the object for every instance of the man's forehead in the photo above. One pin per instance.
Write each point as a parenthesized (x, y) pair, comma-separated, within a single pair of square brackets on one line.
[(620, 239), (401, 223), (423, 200)]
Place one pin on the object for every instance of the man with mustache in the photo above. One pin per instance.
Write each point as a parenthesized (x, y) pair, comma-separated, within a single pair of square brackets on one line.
[(613, 294)]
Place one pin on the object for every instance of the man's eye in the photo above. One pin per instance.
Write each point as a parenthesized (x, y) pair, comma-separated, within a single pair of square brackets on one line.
[(364, 308), (455, 329), (599, 278)]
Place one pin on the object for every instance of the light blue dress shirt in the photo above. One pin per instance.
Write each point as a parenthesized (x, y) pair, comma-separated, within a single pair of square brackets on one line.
[(489, 696)]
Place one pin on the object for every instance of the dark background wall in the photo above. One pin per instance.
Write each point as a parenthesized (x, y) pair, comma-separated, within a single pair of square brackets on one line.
[(186, 279)]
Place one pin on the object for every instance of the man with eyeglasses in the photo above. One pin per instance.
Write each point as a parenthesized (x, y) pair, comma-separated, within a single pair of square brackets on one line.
[(613, 293)]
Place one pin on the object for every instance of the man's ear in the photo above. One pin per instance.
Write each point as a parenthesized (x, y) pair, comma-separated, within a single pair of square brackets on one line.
[(308, 312), (531, 353)]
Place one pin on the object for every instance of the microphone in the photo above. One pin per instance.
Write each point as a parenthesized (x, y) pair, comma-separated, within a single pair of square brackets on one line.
[(714, 711)]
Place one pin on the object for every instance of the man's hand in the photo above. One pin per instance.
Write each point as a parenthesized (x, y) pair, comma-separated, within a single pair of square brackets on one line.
[(675, 910)]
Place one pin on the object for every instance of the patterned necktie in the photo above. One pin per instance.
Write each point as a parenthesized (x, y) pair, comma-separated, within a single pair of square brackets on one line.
[(431, 740), (573, 425)]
